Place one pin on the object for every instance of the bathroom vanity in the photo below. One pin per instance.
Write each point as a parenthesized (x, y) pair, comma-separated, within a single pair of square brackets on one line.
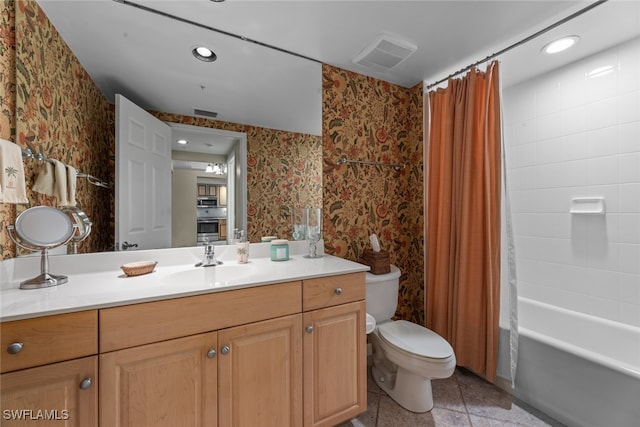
[(280, 344)]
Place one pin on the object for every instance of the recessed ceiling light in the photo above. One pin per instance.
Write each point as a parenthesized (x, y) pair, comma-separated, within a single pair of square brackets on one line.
[(561, 44), (182, 141), (204, 54)]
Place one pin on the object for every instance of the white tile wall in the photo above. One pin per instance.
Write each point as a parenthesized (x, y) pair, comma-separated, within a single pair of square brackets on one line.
[(568, 135)]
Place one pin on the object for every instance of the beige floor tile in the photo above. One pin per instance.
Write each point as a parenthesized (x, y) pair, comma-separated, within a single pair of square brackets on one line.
[(483, 399), (463, 400), (446, 394), (489, 422), (391, 414)]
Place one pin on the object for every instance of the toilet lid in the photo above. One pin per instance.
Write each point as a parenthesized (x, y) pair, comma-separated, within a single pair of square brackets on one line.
[(415, 339)]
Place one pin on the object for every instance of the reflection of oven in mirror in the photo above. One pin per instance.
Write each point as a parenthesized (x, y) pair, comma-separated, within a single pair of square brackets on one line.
[(208, 225)]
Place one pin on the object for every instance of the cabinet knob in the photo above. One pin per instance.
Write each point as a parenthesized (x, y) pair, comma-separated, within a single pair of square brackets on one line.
[(86, 383), (211, 353), (338, 291), (225, 349), (15, 348), (309, 329)]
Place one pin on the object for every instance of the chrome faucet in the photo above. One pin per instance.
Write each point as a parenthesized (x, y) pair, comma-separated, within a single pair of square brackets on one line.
[(209, 256)]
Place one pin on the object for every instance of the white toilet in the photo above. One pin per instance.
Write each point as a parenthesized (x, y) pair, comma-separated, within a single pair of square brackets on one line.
[(406, 356)]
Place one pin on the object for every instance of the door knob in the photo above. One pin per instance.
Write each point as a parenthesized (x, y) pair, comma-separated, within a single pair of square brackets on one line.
[(225, 349), (126, 245), (338, 291), (211, 353), (309, 329)]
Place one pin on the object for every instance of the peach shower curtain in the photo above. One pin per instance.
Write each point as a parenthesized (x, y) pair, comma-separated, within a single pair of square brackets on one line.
[(463, 217)]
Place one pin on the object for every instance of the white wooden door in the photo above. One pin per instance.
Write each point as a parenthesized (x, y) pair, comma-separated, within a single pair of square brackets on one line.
[(231, 196), (143, 179)]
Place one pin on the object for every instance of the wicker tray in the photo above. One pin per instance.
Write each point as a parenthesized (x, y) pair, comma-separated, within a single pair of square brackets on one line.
[(138, 268)]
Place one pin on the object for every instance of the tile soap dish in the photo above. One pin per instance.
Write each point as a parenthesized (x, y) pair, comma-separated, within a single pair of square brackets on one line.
[(138, 268), (587, 206)]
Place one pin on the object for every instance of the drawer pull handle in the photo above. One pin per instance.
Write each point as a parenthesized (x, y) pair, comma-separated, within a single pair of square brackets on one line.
[(338, 291), (309, 329), (86, 383), (225, 350), (15, 348), (211, 353)]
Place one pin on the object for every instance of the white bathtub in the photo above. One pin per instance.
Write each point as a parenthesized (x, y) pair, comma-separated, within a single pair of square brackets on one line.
[(579, 369)]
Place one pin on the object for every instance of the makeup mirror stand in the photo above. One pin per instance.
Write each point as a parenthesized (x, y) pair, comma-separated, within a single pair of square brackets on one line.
[(45, 279)]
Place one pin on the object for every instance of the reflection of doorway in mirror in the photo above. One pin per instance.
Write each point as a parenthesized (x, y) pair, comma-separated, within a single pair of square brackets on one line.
[(208, 145), (231, 192)]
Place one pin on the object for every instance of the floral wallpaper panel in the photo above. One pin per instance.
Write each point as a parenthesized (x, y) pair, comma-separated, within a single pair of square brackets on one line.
[(60, 113), (7, 107), (372, 120)]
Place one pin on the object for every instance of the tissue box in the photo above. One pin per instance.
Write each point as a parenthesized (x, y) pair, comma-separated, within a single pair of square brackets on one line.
[(378, 261)]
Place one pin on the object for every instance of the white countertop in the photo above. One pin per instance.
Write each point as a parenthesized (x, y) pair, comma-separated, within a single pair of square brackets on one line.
[(96, 280)]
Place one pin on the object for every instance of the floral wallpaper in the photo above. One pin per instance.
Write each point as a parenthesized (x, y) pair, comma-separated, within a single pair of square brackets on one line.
[(60, 113), (7, 70), (283, 171), (372, 120), (7, 106)]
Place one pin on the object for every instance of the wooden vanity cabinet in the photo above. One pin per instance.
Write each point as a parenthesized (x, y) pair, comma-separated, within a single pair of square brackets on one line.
[(335, 359), (161, 369), (50, 371), (287, 354)]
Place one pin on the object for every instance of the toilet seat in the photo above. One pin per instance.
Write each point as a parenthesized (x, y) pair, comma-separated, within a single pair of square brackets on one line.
[(415, 340)]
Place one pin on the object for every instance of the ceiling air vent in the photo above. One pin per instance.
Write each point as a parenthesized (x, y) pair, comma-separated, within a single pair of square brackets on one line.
[(385, 53), (205, 113)]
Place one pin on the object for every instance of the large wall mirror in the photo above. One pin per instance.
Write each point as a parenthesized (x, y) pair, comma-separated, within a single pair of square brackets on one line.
[(271, 97)]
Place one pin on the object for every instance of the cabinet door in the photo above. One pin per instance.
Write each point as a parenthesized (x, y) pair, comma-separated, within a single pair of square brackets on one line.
[(213, 190), (166, 384), (335, 364), (222, 195), (64, 393), (202, 190), (222, 229), (260, 376)]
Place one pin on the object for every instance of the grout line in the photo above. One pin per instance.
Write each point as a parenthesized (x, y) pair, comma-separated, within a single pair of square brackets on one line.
[(464, 402)]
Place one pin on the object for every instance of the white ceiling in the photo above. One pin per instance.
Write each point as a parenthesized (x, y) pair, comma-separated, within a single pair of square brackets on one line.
[(147, 56)]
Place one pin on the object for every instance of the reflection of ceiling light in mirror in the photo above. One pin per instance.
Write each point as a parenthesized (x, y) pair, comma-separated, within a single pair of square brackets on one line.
[(182, 141), (216, 168), (600, 71), (204, 54), (561, 44)]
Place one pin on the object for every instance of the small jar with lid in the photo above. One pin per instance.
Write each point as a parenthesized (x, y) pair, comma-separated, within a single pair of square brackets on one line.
[(279, 250)]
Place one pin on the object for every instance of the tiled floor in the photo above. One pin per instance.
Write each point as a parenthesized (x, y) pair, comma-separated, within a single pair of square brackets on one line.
[(463, 400)]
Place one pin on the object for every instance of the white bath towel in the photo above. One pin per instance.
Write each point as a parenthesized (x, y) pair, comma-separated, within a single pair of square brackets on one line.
[(12, 182), (72, 174), (45, 181)]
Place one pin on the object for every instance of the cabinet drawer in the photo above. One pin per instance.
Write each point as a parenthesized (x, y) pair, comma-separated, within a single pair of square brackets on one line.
[(137, 324), (48, 339), (332, 290)]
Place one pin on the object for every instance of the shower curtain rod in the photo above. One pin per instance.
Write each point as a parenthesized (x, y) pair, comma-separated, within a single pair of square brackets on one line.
[(523, 41)]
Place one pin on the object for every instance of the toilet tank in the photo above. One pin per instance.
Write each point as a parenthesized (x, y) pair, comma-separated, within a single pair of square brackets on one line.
[(382, 294)]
